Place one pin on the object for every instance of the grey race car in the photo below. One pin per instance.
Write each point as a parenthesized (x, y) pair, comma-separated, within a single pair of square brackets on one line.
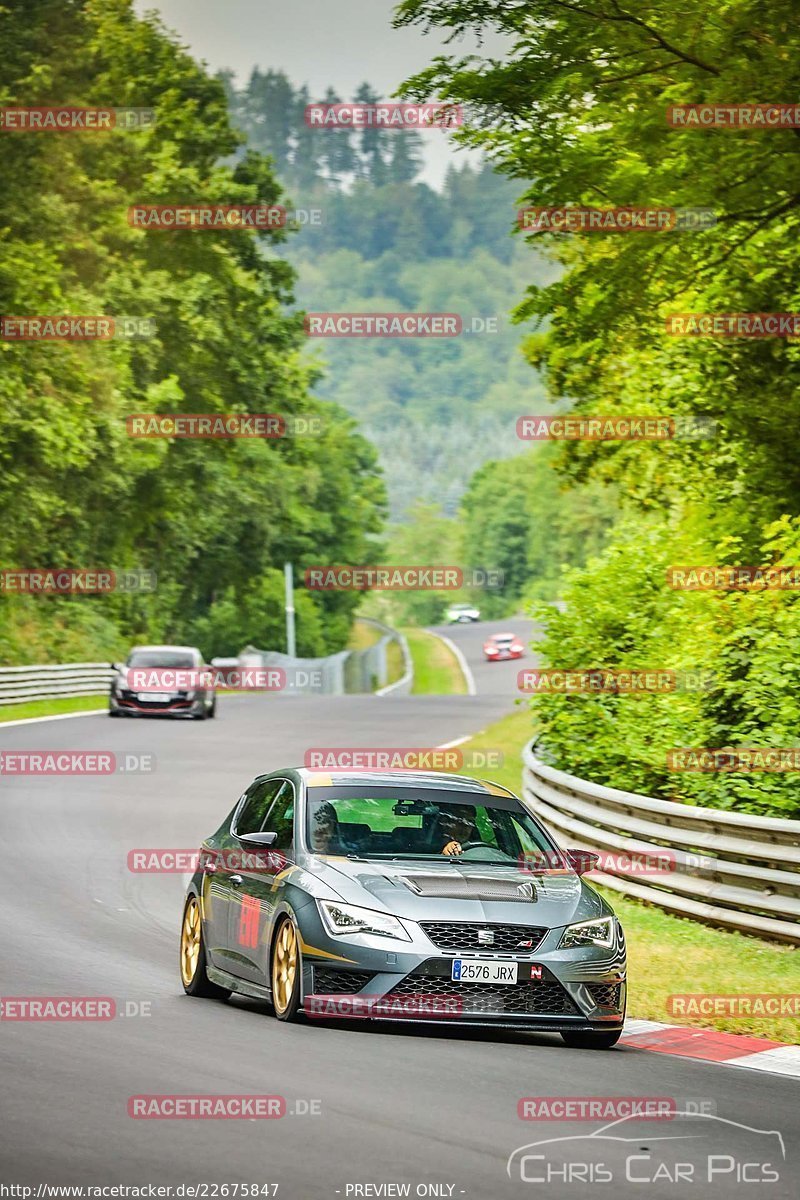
[(402, 896), (174, 682)]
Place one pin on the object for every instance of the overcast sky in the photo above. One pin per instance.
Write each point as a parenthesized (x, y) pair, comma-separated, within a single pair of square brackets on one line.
[(323, 43)]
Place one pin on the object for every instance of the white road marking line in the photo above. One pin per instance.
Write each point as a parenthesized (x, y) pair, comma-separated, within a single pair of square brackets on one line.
[(462, 662), (780, 1060), (89, 712), (458, 742), (633, 1027)]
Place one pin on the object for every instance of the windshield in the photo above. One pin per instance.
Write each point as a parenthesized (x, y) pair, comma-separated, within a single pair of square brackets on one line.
[(383, 822), (177, 659)]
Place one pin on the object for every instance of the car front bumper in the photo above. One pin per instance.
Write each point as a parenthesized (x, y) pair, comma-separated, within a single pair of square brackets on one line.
[(583, 989), (176, 706)]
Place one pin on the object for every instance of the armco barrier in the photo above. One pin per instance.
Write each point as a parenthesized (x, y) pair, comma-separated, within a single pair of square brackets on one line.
[(347, 673), (730, 868), (21, 684)]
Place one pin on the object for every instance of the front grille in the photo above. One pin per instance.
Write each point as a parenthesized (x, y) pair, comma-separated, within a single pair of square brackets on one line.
[(463, 935), (340, 983), (546, 998), (605, 995)]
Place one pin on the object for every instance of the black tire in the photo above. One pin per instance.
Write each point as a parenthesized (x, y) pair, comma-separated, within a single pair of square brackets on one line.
[(112, 712), (589, 1040), (291, 1010), (212, 712), (201, 715), (199, 984)]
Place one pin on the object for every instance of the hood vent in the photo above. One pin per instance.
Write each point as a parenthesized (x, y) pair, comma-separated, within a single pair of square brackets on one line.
[(470, 887)]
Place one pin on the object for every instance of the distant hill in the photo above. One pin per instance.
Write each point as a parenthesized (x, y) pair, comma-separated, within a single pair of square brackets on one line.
[(436, 408)]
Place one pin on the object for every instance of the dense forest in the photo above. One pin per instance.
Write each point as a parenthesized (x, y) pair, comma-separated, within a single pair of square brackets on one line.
[(595, 88), (214, 520), (389, 242)]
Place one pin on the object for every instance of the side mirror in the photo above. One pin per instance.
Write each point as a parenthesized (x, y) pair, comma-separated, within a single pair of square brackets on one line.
[(583, 860), (256, 839)]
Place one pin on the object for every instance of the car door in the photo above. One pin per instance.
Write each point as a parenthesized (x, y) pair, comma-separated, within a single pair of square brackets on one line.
[(256, 895), (223, 875)]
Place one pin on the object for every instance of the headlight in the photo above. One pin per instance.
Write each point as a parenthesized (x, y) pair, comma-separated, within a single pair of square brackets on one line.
[(588, 933), (341, 919)]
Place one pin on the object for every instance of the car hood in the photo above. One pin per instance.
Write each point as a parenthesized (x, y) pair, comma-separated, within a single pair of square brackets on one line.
[(450, 891)]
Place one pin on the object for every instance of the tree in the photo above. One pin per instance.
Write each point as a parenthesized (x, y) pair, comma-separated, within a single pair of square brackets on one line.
[(209, 517)]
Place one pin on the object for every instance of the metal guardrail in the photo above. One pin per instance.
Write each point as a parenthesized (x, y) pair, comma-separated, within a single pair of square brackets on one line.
[(724, 868), (21, 684), (376, 663), (350, 672)]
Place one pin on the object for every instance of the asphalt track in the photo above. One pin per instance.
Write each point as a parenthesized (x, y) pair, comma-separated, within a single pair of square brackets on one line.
[(397, 1104)]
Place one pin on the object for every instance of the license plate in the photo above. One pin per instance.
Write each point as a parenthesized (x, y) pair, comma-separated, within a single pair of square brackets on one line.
[(472, 970), (158, 697)]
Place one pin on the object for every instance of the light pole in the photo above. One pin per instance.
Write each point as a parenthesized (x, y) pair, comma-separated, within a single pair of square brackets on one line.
[(289, 605)]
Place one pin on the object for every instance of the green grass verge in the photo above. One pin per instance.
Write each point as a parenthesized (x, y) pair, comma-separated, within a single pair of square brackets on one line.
[(436, 669), (364, 635), (52, 708), (395, 663), (670, 955)]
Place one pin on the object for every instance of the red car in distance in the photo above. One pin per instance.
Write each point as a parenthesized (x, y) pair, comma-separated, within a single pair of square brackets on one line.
[(503, 645)]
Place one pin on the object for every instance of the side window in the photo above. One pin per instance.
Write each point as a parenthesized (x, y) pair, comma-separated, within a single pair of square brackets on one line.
[(259, 797), (280, 818)]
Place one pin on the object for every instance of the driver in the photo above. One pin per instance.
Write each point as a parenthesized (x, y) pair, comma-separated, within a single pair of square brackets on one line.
[(325, 830), (457, 825)]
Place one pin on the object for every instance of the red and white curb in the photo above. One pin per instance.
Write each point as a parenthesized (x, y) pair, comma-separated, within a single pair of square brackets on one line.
[(726, 1049)]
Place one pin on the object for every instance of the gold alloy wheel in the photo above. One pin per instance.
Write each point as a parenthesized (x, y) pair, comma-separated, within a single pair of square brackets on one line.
[(284, 967), (190, 941)]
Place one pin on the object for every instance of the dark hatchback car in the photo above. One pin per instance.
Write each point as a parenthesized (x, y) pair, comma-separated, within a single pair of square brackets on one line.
[(163, 681), (403, 896)]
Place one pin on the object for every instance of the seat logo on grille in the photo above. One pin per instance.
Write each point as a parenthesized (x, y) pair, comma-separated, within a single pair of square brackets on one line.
[(485, 937), (525, 890)]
